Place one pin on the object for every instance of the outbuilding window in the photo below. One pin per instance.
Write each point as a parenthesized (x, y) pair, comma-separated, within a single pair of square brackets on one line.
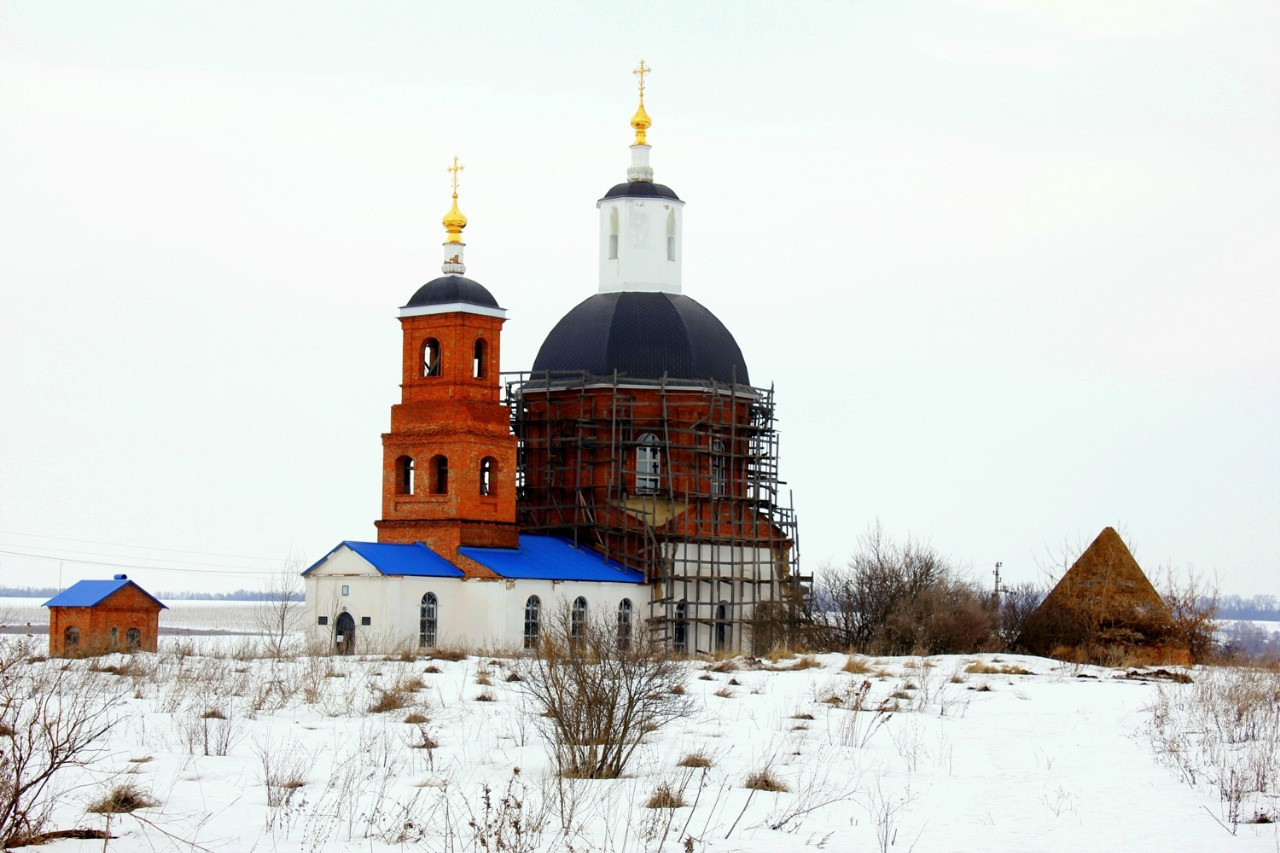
[(133, 638), (71, 636)]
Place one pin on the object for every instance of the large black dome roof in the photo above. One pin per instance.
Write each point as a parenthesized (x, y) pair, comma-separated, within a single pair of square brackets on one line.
[(641, 189), (452, 288), (643, 336)]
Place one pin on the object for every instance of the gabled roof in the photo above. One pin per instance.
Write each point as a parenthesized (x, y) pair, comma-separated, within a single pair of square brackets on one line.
[(549, 558), (413, 560), (537, 558), (90, 593)]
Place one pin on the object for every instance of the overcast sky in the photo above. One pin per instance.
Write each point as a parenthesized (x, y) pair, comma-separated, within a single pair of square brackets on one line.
[(1013, 271)]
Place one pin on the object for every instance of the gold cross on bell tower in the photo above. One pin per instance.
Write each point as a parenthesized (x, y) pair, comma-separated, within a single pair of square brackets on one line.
[(454, 221), (641, 122)]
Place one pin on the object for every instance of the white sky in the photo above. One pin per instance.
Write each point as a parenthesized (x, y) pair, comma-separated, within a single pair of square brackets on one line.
[(1013, 271)]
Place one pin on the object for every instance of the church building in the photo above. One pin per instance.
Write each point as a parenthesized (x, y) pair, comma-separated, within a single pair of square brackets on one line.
[(631, 473)]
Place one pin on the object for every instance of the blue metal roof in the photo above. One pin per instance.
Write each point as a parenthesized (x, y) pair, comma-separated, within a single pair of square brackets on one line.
[(415, 559), (89, 593), (548, 558)]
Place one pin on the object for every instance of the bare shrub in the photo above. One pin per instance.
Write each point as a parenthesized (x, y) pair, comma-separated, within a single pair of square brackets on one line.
[(1016, 604), (122, 799), (1194, 606), (597, 700), (51, 718), (902, 599)]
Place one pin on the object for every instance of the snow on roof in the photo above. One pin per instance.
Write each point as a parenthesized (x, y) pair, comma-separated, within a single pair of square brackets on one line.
[(549, 558), (89, 593)]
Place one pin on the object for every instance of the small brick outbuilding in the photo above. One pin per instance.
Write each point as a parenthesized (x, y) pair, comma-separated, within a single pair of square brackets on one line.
[(92, 617)]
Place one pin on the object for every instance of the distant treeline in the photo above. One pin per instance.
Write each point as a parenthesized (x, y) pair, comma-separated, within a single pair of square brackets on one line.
[(237, 595), (1261, 607)]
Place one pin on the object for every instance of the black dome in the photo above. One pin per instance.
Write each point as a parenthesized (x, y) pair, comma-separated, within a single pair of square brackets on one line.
[(641, 189), (452, 288), (643, 336)]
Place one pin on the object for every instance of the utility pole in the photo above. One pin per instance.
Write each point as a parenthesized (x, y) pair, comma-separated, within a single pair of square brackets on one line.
[(997, 574)]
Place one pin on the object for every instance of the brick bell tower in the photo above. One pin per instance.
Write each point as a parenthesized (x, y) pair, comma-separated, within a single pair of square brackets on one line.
[(449, 461)]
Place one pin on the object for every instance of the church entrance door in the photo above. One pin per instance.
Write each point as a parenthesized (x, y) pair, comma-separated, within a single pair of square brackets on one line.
[(344, 634)]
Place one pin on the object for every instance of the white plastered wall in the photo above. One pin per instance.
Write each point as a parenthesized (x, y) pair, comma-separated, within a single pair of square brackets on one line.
[(472, 614)]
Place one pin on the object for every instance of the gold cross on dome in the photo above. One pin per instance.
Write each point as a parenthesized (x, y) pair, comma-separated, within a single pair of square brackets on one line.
[(456, 168), (640, 71)]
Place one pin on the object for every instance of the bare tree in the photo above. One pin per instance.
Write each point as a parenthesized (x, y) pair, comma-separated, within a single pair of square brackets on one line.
[(277, 615), (598, 697), (52, 717)]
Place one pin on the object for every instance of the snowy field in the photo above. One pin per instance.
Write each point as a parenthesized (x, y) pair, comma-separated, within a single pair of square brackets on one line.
[(958, 753), (227, 616)]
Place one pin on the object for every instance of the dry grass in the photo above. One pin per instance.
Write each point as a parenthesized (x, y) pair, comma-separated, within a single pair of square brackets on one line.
[(856, 665), (805, 662), (695, 759), (448, 654), (484, 696), (416, 719), (980, 668), (390, 700), (764, 779), (122, 799), (723, 693), (665, 798)]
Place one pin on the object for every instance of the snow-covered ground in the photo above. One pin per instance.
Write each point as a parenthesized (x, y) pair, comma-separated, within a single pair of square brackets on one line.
[(1061, 758)]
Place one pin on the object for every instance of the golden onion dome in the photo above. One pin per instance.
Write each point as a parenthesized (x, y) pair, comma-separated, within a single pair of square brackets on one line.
[(454, 222), (641, 122)]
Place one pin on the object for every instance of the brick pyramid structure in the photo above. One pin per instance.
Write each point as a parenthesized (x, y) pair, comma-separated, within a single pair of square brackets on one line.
[(1104, 601)]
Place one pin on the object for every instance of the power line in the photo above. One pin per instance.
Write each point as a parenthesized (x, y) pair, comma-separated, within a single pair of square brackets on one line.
[(136, 547), (210, 571)]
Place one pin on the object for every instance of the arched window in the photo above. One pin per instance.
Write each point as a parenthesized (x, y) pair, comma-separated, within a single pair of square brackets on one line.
[(477, 360), (430, 357), (427, 621), (671, 236), (719, 467), (647, 469), (613, 234), (488, 466), (722, 626), (114, 639), (439, 475), (624, 625), (532, 621), (71, 636), (404, 475), (578, 618), (680, 630), (133, 638)]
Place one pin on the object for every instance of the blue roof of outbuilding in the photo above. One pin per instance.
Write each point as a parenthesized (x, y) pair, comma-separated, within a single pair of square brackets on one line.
[(414, 559), (89, 593), (548, 558)]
